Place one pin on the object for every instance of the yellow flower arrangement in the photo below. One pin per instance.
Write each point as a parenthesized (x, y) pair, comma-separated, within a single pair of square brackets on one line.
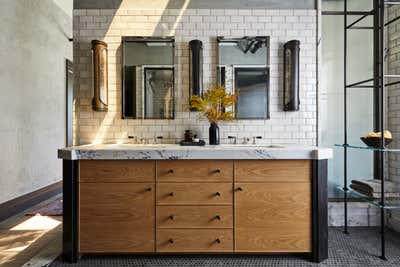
[(213, 105)]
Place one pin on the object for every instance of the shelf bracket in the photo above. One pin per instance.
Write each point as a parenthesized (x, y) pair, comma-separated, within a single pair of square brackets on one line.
[(392, 20), (360, 19), (392, 83), (359, 83)]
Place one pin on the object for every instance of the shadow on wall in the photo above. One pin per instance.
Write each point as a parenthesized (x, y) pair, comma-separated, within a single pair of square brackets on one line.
[(105, 25)]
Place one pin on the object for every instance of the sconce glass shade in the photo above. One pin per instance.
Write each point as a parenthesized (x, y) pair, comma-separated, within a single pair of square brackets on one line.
[(196, 67), (291, 98), (100, 75)]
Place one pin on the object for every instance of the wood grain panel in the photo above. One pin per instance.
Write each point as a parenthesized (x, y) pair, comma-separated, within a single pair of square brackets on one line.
[(116, 217), (194, 217), (116, 171), (273, 217), (194, 240), (194, 194), (272, 241), (195, 170), (273, 170)]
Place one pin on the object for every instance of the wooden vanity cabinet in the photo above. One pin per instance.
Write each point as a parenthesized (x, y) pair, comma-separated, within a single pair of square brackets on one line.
[(195, 206)]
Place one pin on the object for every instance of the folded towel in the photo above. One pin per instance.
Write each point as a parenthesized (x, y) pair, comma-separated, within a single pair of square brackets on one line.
[(374, 186), (370, 194)]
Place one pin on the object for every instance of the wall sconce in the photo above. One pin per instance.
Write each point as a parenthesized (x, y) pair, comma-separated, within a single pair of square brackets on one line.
[(291, 98), (196, 67), (100, 75)]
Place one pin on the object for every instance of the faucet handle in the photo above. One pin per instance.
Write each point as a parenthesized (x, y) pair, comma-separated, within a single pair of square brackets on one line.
[(256, 137), (158, 139), (133, 138), (232, 137)]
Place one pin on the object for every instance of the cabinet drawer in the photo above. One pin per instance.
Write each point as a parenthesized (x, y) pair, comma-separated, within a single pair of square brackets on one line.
[(116, 217), (194, 217), (194, 194), (194, 240), (273, 170), (195, 170), (116, 171), (271, 240)]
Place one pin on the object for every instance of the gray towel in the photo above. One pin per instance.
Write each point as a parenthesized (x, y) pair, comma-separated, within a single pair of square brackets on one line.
[(374, 186), (369, 194)]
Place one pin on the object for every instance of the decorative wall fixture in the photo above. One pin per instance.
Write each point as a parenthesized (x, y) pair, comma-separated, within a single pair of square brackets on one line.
[(100, 75), (291, 98), (196, 67)]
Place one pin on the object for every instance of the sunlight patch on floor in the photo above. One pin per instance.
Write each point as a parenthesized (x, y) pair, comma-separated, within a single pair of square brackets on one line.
[(24, 237), (37, 222)]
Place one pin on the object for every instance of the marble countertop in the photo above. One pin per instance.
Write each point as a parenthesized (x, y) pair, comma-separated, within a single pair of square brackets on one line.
[(171, 151)]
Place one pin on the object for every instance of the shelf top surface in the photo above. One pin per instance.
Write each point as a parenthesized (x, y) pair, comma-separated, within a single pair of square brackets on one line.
[(390, 203), (368, 148)]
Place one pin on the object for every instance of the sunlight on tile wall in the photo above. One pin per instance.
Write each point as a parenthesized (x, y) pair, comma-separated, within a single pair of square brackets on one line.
[(188, 24)]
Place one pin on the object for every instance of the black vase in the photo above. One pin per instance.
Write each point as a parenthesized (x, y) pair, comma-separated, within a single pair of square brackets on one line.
[(214, 134)]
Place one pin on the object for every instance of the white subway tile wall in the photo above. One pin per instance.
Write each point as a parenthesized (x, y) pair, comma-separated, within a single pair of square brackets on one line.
[(393, 107), (203, 24)]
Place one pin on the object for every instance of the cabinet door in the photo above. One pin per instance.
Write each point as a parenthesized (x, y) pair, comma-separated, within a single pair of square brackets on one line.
[(273, 217), (116, 217)]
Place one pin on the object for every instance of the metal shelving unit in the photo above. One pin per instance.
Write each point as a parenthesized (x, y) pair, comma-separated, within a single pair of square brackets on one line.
[(378, 85)]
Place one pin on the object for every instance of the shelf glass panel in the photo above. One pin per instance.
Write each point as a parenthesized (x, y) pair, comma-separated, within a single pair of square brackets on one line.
[(369, 148), (390, 203)]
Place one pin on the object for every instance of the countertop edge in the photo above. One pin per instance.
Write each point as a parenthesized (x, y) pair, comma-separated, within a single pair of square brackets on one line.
[(311, 153)]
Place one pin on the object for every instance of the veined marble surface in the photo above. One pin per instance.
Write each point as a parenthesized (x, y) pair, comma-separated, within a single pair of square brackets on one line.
[(170, 151)]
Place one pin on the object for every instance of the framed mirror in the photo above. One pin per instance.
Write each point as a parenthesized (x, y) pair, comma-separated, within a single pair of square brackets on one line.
[(148, 78), (243, 68)]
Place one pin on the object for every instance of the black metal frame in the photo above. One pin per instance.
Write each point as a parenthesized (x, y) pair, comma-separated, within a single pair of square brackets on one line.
[(266, 40), (378, 13), (70, 210), (319, 210), (138, 39)]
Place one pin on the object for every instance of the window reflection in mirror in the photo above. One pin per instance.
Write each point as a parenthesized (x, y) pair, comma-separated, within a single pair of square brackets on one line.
[(243, 68), (148, 78)]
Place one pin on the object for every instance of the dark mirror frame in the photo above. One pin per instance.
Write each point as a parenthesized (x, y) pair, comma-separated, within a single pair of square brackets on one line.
[(143, 39), (221, 80)]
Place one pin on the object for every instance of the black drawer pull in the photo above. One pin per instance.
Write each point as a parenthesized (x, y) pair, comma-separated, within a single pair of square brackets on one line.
[(217, 194), (171, 217), (239, 189), (217, 217), (171, 241), (148, 189), (218, 241), (217, 171), (171, 194), (171, 171)]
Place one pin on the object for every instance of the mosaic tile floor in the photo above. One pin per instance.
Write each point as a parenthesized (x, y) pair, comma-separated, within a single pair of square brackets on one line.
[(360, 248)]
